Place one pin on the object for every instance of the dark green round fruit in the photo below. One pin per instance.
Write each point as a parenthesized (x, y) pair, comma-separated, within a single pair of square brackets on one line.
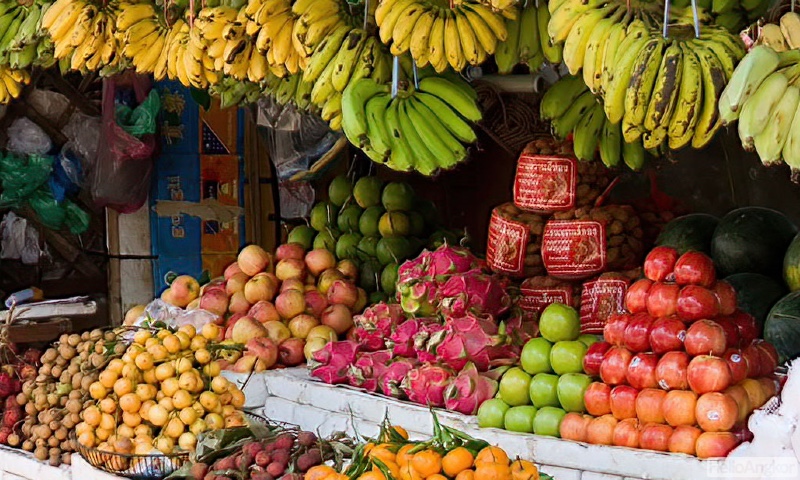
[(368, 223), (369, 278), (304, 235), (394, 249), (377, 297), (347, 246), (394, 224), (326, 240), (323, 216), (339, 190), (389, 278), (429, 212), (398, 197), (349, 217), (368, 246), (417, 224), (367, 191)]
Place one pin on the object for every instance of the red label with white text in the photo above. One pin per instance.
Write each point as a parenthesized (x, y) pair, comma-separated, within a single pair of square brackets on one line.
[(599, 300), (545, 183), (574, 248), (537, 299), (506, 245)]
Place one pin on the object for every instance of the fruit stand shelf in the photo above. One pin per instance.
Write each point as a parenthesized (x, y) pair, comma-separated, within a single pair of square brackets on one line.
[(16, 464), (290, 395)]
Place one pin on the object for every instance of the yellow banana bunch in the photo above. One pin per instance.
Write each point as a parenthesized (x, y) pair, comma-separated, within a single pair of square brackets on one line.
[(314, 21), (271, 24), (466, 34), (11, 83), (144, 37)]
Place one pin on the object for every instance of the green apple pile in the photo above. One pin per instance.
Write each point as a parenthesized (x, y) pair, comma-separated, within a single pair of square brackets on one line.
[(376, 225), (549, 382)]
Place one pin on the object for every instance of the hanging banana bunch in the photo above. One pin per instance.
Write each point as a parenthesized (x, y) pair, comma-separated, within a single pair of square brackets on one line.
[(143, 34), (24, 44), (466, 34), (528, 42), (270, 25), (12, 83), (84, 36)]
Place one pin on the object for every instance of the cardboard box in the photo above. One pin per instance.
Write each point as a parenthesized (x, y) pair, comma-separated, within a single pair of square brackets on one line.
[(220, 179), (177, 179), (216, 263), (164, 266), (179, 119), (221, 131)]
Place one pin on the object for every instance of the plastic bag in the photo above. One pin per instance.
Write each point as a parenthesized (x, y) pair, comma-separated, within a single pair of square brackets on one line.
[(140, 121), (51, 214), (296, 199), (19, 241), (21, 175), (26, 137), (77, 220), (120, 178), (49, 104), (172, 316), (67, 174), (83, 132)]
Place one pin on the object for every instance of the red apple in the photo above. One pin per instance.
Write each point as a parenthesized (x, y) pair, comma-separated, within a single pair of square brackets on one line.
[(768, 354), (671, 371), (769, 386), (696, 302), (597, 399), (679, 407), (739, 395), (636, 296), (626, 433), (594, 357), (716, 412), (747, 326), (642, 371), (573, 426), (659, 264), (695, 268), (731, 331), (683, 439), (756, 362), (736, 363), (615, 365), (614, 330), (600, 430), (705, 337), (637, 334), (667, 335), (655, 437), (662, 299), (726, 295), (649, 405), (623, 402), (707, 373), (715, 444)]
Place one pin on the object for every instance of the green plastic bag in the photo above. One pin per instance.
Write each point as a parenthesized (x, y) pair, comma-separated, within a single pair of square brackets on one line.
[(141, 120), (21, 175), (50, 213)]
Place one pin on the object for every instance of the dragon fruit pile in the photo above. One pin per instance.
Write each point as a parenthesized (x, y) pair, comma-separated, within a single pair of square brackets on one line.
[(439, 344)]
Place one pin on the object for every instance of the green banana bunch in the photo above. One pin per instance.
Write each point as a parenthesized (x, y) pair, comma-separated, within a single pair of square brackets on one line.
[(528, 42), (421, 130)]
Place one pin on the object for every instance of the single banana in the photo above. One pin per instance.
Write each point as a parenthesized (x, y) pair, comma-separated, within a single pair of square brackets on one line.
[(666, 90), (587, 132), (610, 143), (770, 142), (687, 108), (640, 88), (756, 66), (560, 96), (709, 120), (456, 98), (757, 110)]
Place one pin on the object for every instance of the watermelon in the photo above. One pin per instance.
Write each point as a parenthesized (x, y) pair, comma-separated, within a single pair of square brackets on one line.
[(782, 328), (689, 232), (752, 240), (756, 293), (791, 265)]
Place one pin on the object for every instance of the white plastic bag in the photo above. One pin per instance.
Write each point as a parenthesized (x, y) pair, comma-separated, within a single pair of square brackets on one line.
[(27, 138), (18, 240)]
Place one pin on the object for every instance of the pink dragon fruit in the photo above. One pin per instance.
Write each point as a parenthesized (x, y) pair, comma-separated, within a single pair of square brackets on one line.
[(414, 269), (427, 338), (389, 380), (330, 374), (465, 340), (448, 260), (426, 384), (340, 354), (418, 296), (474, 292), (468, 390), (368, 367), (374, 326), (401, 341)]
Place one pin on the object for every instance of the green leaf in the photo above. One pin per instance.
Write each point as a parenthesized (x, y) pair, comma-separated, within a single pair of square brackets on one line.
[(201, 97)]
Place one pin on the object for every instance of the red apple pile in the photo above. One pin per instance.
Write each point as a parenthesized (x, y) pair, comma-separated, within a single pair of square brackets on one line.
[(285, 311), (683, 369)]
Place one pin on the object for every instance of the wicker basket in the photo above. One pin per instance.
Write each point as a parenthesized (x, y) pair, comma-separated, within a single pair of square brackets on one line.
[(138, 467)]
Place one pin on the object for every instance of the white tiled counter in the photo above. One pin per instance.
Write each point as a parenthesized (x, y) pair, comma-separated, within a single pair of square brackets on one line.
[(290, 395)]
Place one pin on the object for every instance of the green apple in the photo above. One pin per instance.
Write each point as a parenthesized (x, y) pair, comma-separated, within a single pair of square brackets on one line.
[(571, 387), (514, 387), (535, 356), (491, 413), (544, 390), (560, 322), (567, 357), (548, 421), (520, 419), (588, 339)]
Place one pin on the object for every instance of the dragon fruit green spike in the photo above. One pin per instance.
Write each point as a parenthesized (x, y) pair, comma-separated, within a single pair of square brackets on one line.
[(368, 367), (390, 379), (465, 340), (418, 297), (426, 384), (474, 292), (468, 390), (426, 339)]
